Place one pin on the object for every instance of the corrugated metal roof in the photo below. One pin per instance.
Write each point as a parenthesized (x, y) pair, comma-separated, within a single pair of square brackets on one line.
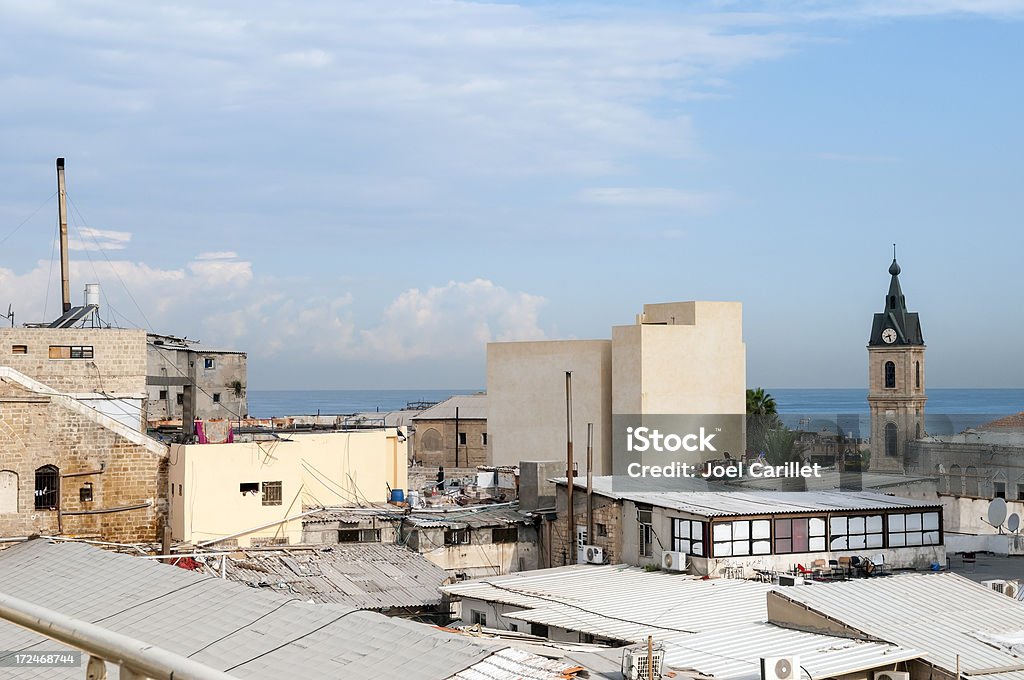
[(371, 576), (735, 654), (475, 517), (737, 503), (516, 664), (941, 614), (252, 634), (621, 602), (471, 407)]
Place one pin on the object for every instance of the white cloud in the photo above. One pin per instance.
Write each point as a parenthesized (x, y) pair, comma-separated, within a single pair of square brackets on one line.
[(307, 58), (218, 255), (650, 197), (98, 239)]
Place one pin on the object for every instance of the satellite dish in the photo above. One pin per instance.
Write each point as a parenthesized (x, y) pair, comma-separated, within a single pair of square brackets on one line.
[(1013, 522), (997, 512)]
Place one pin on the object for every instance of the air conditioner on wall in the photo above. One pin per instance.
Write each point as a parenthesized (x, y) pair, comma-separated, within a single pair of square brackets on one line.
[(892, 675), (592, 554), (998, 585), (672, 560), (635, 660), (780, 668)]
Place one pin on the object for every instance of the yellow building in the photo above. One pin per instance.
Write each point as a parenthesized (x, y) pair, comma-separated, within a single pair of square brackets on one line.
[(256, 492), (678, 358)]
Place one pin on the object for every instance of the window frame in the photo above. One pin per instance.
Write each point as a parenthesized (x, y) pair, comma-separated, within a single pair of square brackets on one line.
[(864, 532), (889, 375), (46, 472), (810, 534), (686, 544), (506, 534), (276, 495), (741, 534), (920, 529)]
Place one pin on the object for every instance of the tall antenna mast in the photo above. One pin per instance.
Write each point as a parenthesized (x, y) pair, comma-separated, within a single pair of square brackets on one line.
[(62, 211)]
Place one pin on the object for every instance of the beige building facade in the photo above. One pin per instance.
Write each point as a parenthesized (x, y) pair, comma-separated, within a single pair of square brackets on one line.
[(678, 358), (248, 493)]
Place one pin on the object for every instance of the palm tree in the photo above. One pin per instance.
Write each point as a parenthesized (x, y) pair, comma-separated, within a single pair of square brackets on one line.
[(760, 403)]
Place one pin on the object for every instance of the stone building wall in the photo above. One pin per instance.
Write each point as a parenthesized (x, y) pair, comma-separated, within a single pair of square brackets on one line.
[(124, 467)]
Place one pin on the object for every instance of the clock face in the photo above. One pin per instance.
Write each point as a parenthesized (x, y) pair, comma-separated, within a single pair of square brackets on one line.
[(889, 335)]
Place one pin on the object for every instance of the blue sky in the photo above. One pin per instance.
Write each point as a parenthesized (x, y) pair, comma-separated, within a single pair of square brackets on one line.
[(362, 194)]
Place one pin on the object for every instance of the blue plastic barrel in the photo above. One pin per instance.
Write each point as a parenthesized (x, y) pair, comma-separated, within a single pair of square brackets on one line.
[(397, 496)]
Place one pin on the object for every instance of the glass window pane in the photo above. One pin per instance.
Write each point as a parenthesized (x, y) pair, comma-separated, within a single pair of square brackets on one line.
[(874, 540), (723, 549), (817, 527), (698, 548), (914, 522), (800, 536), (723, 532), (931, 538), (741, 547), (782, 545), (782, 528), (761, 528), (897, 540), (837, 525), (914, 538), (857, 542), (897, 522), (682, 528), (817, 544), (856, 525), (931, 521), (874, 524), (839, 543), (762, 547), (741, 529)]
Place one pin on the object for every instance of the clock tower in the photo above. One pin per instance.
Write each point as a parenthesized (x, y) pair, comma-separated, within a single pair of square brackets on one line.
[(896, 393)]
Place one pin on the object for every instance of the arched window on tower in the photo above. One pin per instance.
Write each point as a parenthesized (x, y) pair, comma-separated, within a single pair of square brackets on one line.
[(956, 480), (917, 374), (890, 374), (891, 445), (971, 482)]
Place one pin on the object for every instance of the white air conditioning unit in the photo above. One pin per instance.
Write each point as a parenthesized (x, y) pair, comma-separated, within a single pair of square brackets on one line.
[(892, 675), (635, 662), (592, 554), (998, 585), (780, 668), (672, 560)]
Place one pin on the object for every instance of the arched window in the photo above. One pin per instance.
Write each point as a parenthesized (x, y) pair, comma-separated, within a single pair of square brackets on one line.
[(917, 434), (891, 444), (890, 374), (917, 374), (892, 302), (956, 480), (971, 482), (432, 440), (8, 491), (47, 487)]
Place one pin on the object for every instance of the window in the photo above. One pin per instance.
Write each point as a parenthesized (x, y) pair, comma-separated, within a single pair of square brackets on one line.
[(209, 363), (8, 491), (914, 528), (163, 394), (855, 532), (742, 537), (181, 398), (249, 487), (47, 487), (359, 536), (505, 535), (892, 302), (513, 627), (216, 397), (71, 352), (85, 492), (431, 440), (483, 439), (19, 349), (800, 535), (539, 629), (646, 533), (478, 618), (179, 489), (999, 489), (891, 440), (971, 482), (456, 537), (688, 536), (917, 374), (602, 529), (890, 375), (1020, 492), (271, 493), (462, 439)]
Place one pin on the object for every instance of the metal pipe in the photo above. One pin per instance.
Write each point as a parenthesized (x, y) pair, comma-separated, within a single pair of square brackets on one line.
[(569, 471), (103, 511), (257, 528), (82, 474), (72, 539), (138, 657)]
